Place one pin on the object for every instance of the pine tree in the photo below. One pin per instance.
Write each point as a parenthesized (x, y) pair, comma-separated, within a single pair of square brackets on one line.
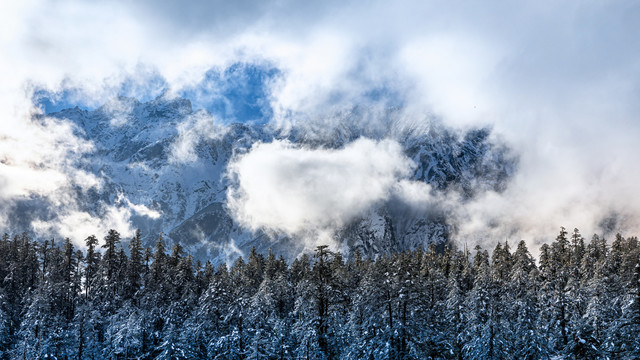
[(322, 277), (366, 321), (427, 290), (459, 284), (528, 339), (110, 258), (621, 287), (488, 334), (625, 334), (559, 266), (159, 267), (134, 268), (209, 322), (92, 260), (581, 302), (269, 312)]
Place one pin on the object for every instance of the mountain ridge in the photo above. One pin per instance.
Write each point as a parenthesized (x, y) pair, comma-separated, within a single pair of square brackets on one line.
[(173, 159)]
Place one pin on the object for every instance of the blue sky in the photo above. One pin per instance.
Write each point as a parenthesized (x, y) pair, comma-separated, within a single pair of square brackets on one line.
[(238, 93)]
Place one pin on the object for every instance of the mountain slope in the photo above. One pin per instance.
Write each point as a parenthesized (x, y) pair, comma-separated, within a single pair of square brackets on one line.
[(173, 160)]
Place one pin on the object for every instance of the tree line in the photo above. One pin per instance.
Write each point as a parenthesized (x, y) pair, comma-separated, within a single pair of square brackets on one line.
[(578, 301)]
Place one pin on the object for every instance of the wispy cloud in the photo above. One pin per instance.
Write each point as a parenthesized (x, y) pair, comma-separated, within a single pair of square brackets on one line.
[(194, 129)]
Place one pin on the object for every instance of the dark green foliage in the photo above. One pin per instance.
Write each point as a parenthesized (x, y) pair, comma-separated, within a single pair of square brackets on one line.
[(579, 302)]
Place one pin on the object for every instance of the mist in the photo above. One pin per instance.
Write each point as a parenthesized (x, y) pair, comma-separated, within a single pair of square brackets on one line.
[(557, 83)]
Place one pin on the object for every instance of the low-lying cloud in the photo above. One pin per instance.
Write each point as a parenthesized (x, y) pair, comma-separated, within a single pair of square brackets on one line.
[(77, 225), (42, 165), (288, 188)]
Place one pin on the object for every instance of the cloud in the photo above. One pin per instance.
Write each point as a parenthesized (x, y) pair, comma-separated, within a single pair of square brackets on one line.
[(39, 157), (559, 82), (120, 110), (195, 128), (77, 225), (287, 188), (139, 209), (42, 165), (415, 195)]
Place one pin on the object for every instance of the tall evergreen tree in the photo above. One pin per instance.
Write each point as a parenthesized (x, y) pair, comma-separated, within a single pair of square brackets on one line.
[(110, 258), (134, 267), (92, 260)]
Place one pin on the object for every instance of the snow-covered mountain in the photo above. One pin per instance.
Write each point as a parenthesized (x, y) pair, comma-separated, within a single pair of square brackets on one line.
[(172, 159)]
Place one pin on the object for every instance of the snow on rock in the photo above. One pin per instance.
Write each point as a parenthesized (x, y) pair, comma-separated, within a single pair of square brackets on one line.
[(135, 157)]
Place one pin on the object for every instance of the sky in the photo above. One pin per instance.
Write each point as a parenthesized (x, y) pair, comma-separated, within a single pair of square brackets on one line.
[(558, 82)]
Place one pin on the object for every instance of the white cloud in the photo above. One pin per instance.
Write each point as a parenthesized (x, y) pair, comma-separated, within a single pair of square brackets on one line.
[(22, 181), (120, 110), (140, 209), (287, 188), (77, 225), (195, 128), (451, 75), (40, 157), (416, 195), (143, 210)]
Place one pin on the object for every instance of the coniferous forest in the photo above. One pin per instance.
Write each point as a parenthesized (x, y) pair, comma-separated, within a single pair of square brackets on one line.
[(579, 300)]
